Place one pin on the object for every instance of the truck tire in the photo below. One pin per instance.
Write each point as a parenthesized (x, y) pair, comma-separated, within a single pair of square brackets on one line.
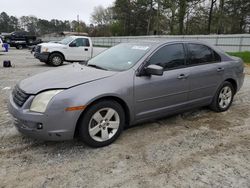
[(56, 59), (19, 47)]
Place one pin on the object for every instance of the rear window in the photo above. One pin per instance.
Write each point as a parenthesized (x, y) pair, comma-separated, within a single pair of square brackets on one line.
[(199, 54)]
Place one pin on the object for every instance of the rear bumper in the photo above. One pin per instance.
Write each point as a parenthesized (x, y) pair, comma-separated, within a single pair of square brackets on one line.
[(241, 81), (43, 57)]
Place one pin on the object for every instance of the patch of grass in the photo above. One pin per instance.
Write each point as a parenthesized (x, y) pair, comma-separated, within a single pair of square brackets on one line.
[(243, 55)]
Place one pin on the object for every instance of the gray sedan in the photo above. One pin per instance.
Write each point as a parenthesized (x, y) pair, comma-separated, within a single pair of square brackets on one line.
[(125, 85)]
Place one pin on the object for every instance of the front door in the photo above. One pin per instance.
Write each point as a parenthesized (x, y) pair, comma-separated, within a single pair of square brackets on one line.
[(158, 95), (79, 50)]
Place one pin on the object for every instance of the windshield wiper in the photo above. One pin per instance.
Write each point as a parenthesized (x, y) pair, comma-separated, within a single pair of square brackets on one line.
[(96, 66)]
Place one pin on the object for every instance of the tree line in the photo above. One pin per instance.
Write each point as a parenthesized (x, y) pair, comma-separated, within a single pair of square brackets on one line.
[(146, 17), (38, 26), (183, 17)]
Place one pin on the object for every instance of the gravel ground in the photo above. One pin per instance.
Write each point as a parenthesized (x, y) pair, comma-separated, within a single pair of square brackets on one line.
[(199, 148)]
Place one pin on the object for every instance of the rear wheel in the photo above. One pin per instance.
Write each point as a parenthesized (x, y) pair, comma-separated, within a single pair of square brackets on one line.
[(56, 59), (223, 97), (102, 123), (19, 47)]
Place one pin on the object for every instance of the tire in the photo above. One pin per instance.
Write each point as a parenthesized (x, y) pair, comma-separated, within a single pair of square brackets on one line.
[(56, 59), (19, 47), (98, 130), (223, 97)]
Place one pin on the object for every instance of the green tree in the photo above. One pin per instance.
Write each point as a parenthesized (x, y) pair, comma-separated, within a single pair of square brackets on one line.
[(210, 15), (4, 22), (238, 12), (29, 23)]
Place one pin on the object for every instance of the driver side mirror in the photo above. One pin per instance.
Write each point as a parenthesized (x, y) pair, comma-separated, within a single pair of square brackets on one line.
[(154, 70)]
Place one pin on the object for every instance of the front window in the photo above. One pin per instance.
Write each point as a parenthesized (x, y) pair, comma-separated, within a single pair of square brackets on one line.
[(169, 57), (121, 57), (66, 40), (80, 42)]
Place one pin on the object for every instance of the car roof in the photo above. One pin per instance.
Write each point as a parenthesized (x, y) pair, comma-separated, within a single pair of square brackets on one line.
[(157, 43), (168, 41), (74, 36)]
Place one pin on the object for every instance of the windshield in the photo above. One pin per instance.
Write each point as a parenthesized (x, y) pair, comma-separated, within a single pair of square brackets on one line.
[(119, 58), (66, 40)]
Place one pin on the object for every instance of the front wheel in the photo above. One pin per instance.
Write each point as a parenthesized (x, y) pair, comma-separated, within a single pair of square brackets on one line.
[(223, 97), (56, 59), (102, 123)]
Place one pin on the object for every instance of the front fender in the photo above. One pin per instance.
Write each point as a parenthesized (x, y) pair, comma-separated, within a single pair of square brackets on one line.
[(85, 94)]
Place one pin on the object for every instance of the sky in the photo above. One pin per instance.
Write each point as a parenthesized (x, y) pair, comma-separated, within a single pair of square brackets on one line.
[(53, 9)]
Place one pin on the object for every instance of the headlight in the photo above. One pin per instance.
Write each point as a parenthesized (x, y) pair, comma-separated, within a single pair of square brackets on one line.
[(40, 102), (44, 49)]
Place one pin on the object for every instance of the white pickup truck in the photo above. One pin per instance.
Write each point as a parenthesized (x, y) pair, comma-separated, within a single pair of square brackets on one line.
[(70, 49)]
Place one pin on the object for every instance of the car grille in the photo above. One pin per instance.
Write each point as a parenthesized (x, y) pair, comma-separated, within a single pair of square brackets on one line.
[(38, 49), (19, 96)]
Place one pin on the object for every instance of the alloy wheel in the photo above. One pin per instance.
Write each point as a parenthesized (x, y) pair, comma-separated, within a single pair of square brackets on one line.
[(225, 97), (104, 124), (56, 60)]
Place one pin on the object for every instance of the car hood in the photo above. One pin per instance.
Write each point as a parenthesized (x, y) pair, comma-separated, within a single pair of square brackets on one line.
[(51, 44), (63, 78)]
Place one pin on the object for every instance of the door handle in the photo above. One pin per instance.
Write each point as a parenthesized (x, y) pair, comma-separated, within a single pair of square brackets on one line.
[(220, 69), (182, 76), (86, 49)]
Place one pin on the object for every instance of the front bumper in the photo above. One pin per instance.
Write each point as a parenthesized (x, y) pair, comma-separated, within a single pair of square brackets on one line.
[(58, 125), (43, 57)]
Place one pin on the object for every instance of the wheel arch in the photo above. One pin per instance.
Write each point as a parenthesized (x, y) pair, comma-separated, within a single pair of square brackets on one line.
[(114, 98), (233, 82), (57, 52)]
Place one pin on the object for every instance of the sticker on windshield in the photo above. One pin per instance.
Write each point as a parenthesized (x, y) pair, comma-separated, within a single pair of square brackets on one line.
[(140, 47), (129, 62)]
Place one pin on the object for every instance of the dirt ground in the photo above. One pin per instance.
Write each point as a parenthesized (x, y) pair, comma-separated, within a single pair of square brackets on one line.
[(199, 148)]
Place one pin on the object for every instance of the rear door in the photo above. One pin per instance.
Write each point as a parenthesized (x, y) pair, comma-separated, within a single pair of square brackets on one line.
[(79, 50), (158, 95), (206, 73)]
